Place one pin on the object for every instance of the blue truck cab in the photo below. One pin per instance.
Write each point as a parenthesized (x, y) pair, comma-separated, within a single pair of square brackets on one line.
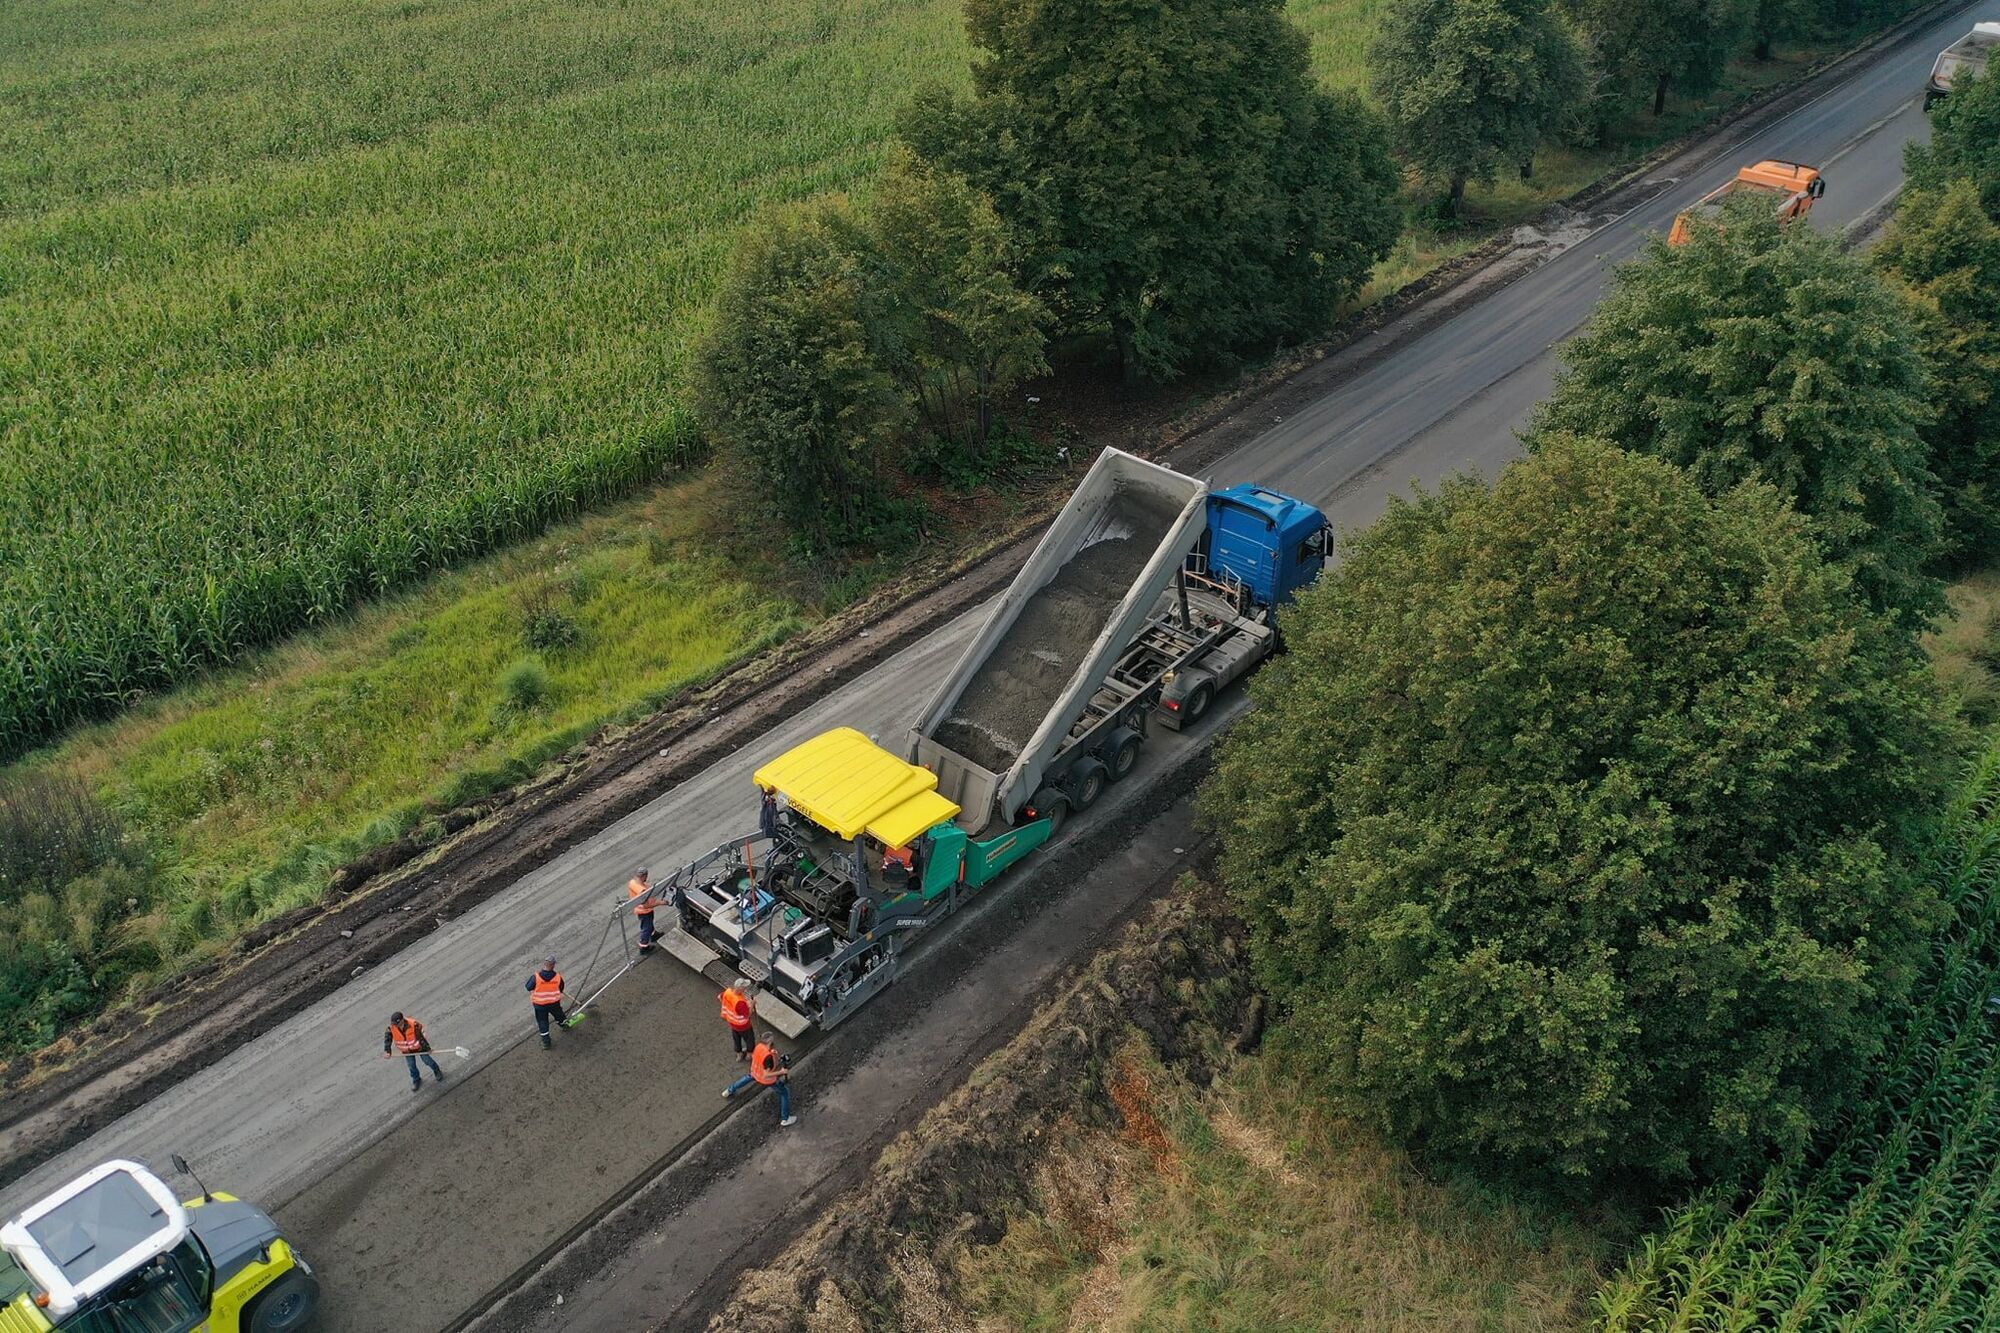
[(1260, 547), (1274, 543)]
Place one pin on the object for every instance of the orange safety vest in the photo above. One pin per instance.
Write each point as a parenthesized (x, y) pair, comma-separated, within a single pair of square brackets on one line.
[(736, 1009), (635, 889), (410, 1038), (902, 856), (548, 990), (764, 1063)]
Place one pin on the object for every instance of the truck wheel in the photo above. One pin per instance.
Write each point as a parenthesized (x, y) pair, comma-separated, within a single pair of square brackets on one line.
[(1197, 703), (289, 1303), (1053, 806), (1121, 752), (1088, 782)]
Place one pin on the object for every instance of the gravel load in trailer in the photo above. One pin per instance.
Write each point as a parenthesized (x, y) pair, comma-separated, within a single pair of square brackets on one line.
[(1010, 693), (1057, 633)]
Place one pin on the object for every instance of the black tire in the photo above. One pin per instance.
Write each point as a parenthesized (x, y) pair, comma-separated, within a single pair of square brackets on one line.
[(287, 1304), (1056, 811), (1087, 783), (1197, 703), (1121, 753)]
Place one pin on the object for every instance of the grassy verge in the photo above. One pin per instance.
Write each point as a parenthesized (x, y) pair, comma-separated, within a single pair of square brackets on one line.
[(235, 798), (1247, 1207)]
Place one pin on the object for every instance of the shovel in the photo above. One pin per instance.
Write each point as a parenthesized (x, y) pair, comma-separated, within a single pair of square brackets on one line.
[(458, 1051)]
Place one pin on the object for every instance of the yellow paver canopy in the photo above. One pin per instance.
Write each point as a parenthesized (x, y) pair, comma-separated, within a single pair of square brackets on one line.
[(848, 785)]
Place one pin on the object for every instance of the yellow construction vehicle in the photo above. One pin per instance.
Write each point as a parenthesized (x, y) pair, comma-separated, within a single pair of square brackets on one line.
[(1791, 188), (114, 1251)]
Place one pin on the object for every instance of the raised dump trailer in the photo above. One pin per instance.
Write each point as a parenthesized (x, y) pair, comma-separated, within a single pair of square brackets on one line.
[(114, 1250), (1147, 596), (1963, 59), (999, 724)]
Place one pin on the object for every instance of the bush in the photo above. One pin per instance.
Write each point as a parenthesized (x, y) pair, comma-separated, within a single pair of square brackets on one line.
[(1577, 828), (792, 383), (524, 685)]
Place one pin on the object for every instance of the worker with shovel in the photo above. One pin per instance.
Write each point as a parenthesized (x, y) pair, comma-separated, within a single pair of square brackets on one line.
[(769, 1069), (406, 1036), (545, 991)]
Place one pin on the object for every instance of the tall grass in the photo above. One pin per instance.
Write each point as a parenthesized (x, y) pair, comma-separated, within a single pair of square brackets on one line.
[(146, 843), (1250, 1208)]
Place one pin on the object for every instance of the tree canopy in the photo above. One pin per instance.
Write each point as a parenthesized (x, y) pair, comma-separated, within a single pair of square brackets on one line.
[(1666, 44), (956, 328), (1170, 167), (1945, 252), (1760, 352), (1964, 143), (1471, 86), (1576, 828), (790, 380)]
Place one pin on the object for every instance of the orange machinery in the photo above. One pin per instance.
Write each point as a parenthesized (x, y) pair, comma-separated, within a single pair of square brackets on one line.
[(1791, 187)]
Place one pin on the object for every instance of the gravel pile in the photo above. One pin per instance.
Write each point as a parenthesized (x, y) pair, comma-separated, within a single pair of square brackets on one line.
[(1013, 690)]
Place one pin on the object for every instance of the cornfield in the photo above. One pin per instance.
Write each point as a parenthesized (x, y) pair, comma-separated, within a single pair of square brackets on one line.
[(1898, 1226), (300, 302)]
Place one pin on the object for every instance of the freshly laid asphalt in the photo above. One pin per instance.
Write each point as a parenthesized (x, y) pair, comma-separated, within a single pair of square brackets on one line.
[(414, 1215)]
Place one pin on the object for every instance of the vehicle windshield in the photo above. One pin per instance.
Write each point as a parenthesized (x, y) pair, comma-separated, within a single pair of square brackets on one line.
[(167, 1294)]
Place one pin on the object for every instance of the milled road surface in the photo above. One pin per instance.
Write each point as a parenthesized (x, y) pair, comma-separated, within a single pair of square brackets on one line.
[(301, 1119)]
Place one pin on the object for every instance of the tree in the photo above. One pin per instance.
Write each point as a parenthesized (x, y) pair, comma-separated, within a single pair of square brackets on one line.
[(1965, 144), (1470, 86), (1768, 353), (1774, 20), (1173, 172), (789, 380), (1666, 43), (1577, 829), (1945, 252), (960, 331)]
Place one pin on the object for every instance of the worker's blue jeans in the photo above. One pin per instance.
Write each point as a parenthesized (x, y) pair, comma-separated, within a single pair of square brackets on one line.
[(417, 1079), (645, 929), (783, 1087)]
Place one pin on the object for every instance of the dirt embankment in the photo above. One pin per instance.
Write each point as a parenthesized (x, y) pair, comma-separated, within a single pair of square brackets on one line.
[(1180, 975)]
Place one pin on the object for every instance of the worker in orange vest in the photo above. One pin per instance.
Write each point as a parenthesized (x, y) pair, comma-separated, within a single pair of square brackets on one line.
[(545, 992), (739, 1009), (406, 1037), (639, 890), (771, 1070)]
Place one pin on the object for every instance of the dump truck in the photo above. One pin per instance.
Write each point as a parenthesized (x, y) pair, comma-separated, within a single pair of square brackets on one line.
[(1792, 189), (1148, 595), (1963, 59), (115, 1251)]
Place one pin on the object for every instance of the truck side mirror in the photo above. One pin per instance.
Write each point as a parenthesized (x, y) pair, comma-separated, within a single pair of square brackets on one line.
[(1817, 188)]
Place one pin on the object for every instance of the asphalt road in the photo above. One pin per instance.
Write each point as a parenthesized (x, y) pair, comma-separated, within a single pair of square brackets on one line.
[(300, 1119)]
